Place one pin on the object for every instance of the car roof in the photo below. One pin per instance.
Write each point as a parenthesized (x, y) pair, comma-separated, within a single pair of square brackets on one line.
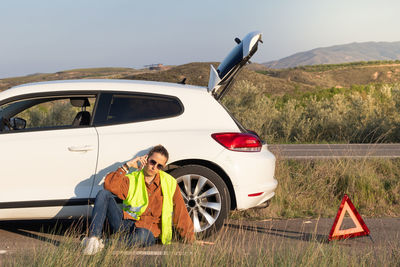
[(96, 85)]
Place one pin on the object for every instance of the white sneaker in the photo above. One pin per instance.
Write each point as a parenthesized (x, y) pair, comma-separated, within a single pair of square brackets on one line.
[(92, 245)]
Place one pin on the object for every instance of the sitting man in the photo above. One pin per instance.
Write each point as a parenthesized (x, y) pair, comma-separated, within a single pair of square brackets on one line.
[(152, 203)]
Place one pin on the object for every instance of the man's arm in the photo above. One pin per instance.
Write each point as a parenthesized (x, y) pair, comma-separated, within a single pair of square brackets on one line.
[(117, 183), (182, 222)]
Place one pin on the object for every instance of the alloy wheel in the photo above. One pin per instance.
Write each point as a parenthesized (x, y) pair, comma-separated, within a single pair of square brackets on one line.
[(202, 199)]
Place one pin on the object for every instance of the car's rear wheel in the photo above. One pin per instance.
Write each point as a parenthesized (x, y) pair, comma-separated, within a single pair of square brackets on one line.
[(206, 196)]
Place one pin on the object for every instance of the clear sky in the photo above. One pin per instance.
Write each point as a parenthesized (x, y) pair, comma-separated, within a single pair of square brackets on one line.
[(54, 35)]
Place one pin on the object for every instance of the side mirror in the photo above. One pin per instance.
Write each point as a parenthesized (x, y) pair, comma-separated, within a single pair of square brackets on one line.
[(17, 123)]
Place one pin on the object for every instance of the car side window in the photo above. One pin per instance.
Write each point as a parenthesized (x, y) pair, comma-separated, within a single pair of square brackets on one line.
[(49, 112), (134, 108)]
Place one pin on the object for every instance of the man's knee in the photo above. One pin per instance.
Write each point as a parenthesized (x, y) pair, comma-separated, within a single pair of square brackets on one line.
[(104, 194)]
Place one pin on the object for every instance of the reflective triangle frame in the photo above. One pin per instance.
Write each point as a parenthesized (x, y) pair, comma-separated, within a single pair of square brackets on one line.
[(361, 228)]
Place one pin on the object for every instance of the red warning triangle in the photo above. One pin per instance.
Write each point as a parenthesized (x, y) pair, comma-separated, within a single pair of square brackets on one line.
[(360, 228)]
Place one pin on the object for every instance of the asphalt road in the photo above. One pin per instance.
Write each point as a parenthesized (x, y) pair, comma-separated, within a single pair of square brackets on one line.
[(16, 237), (321, 151)]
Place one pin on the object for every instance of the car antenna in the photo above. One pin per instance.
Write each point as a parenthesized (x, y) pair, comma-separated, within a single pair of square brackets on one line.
[(183, 81), (237, 40)]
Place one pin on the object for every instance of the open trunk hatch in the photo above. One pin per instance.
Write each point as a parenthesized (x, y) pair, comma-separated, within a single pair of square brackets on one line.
[(221, 79)]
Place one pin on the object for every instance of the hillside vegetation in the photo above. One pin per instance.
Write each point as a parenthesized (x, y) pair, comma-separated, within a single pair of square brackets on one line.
[(93, 73), (360, 114), (273, 82)]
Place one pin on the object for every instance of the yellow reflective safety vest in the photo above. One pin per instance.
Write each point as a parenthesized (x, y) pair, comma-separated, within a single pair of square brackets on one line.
[(137, 200)]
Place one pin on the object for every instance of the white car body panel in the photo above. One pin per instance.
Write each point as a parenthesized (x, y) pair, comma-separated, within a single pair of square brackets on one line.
[(254, 174), (47, 171), (40, 167)]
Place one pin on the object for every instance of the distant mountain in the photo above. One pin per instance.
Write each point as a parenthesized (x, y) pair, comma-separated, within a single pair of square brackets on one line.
[(353, 52)]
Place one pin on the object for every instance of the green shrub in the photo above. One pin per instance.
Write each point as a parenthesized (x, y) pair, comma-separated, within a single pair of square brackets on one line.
[(361, 114), (56, 113)]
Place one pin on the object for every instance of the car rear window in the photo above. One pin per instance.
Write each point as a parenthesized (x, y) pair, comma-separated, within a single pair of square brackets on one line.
[(134, 108)]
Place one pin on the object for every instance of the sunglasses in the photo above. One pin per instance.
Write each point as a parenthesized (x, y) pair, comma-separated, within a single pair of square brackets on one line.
[(154, 163)]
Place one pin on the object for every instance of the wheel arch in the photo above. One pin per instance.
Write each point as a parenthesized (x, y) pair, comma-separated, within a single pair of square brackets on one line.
[(212, 166)]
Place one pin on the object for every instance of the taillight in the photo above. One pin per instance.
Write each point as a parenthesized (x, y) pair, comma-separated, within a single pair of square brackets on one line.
[(244, 142)]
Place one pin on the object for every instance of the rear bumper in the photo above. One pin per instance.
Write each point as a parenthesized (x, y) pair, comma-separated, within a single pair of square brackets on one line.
[(244, 201), (252, 176)]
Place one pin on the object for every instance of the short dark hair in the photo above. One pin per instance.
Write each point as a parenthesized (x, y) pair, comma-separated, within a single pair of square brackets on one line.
[(159, 149)]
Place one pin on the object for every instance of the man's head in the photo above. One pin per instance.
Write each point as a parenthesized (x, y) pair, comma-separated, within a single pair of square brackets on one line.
[(156, 160)]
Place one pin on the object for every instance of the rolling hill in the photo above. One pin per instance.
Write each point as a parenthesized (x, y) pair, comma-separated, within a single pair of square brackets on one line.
[(269, 81), (368, 51)]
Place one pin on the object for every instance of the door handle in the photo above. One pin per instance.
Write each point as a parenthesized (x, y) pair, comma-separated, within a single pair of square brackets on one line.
[(80, 148)]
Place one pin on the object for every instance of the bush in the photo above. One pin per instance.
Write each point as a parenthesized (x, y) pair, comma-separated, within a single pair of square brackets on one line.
[(361, 114), (56, 113)]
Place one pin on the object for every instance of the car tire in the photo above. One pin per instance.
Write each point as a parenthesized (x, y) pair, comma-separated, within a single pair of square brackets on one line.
[(206, 197)]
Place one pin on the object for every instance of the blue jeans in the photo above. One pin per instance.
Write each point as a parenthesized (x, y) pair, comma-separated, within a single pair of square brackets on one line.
[(105, 206)]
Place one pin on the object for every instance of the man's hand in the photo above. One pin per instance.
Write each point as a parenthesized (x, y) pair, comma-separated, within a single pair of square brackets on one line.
[(138, 162), (202, 243)]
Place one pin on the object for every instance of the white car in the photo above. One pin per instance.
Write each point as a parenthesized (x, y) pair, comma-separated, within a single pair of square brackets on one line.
[(59, 139)]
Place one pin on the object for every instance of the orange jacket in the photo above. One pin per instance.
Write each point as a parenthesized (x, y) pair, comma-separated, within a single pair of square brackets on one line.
[(118, 184)]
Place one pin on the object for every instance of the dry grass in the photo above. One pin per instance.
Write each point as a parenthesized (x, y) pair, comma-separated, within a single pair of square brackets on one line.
[(241, 248), (312, 189)]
